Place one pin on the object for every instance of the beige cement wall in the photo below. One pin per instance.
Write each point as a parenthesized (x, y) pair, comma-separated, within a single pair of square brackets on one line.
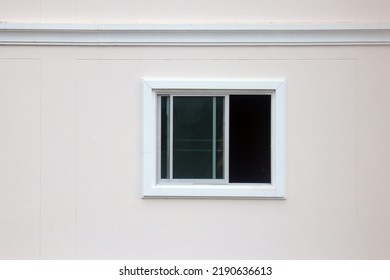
[(70, 154), (70, 139), (76, 11)]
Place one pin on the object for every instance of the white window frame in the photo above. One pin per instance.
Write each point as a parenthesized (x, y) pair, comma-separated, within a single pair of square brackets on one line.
[(152, 185)]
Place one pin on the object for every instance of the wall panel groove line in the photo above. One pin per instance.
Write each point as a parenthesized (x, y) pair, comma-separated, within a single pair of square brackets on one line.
[(194, 34), (40, 160)]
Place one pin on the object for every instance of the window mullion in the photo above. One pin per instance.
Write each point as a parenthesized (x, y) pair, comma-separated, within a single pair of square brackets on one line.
[(226, 139), (214, 140), (159, 137), (170, 109)]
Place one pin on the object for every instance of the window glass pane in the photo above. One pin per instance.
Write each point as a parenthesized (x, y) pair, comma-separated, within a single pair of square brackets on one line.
[(219, 138), (164, 137), (197, 123), (250, 139)]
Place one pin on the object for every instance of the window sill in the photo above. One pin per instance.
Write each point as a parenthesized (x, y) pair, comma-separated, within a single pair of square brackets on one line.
[(253, 191)]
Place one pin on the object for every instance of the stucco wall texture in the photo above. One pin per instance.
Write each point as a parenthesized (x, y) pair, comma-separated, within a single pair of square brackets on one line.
[(194, 11), (70, 139)]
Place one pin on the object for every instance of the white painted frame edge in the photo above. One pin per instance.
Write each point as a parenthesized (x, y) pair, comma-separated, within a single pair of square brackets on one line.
[(151, 189), (195, 34)]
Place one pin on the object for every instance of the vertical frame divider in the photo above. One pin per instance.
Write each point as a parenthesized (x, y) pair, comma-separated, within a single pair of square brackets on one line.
[(159, 138), (214, 140), (171, 137), (168, 112), (226, 138)]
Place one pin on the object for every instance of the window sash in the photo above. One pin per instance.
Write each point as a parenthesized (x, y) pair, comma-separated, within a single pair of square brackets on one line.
[(170, 179)]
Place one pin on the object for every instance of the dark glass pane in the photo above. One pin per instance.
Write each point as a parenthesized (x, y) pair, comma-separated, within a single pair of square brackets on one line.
[(250, 139), (194, 125), (164, 137), (219, 137)]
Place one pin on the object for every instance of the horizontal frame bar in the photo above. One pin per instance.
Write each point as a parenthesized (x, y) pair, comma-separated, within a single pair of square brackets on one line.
[(194, 34)]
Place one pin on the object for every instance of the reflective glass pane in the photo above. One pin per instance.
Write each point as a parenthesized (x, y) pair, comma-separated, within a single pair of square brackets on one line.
[(250, 139), (219, 131), (197, 137), (164, 144)]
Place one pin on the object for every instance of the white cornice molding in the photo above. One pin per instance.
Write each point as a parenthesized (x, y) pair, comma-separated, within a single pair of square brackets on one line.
[(195, 34)]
